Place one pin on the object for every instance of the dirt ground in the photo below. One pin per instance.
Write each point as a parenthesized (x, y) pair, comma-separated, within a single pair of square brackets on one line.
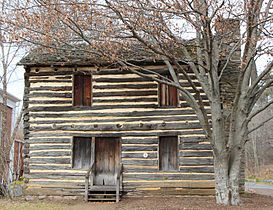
[(249, 201)]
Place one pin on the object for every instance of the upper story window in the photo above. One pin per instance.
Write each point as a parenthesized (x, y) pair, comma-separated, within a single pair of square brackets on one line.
[(82, 90), (168, 95)]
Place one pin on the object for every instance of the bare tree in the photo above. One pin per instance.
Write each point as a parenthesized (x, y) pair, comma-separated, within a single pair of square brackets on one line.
[(9, 51), (260, 145), (204, 35)]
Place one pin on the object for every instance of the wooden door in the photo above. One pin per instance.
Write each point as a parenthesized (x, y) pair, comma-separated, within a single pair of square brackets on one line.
[(107, 160)]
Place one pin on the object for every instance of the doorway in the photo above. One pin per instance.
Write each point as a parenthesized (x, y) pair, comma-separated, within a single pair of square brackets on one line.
[(107, 160)]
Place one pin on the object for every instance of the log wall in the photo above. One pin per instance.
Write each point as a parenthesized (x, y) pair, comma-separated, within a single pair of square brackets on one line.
[(124, 105)]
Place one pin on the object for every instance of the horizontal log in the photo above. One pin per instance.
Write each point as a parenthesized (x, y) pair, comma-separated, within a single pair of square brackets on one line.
[(186, 153), (53, 94), (195, 161), (125, 119), (138, 155), (154, 67), (53, 73), (170, 192), (193, 139), (118, 127), (50, 140), (126, 93), (50, 160), (71, 172), (144, 86), (50, 146), (43, 183), (94, 107), (132, 168), (53, 88), (47, 182), (50, 154), (194, 146), (121, 79), (49, 167), (191, 184), (119, 134), (58, 177), (202, 169), (50, 81), (169, 176), (56, 76), (157, 112), (140, 141), (147, 162), (139, 148), (50, 102), (117, 100)]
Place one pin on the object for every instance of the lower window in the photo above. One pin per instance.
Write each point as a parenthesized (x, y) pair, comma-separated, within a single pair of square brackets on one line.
[(168, 153)]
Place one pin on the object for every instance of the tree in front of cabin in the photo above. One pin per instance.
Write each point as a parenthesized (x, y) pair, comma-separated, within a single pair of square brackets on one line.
[(9, 50), (219, 41)]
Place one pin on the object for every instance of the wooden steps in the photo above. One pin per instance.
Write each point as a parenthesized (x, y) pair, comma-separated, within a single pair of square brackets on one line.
[(103, 193), (106, 188), (94, 192)]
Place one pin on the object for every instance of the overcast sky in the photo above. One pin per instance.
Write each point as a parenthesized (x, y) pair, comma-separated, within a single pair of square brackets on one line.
[(15, 75)]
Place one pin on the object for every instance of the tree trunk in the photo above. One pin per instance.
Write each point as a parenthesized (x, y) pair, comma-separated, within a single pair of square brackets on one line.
[(234, 180), (234, 175), (221, 179), (227, 179)]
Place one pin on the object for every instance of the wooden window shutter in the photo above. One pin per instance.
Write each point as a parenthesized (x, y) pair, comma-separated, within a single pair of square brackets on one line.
[(82, 90), (173, 97), (81, 152), (78, 86), (168, 95), (168, 153), (87, 91)]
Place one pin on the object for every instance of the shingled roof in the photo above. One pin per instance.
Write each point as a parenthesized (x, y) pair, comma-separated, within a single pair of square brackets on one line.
[(81, 56)]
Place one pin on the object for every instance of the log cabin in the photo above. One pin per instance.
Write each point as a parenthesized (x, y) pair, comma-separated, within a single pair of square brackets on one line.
[(95, 130)]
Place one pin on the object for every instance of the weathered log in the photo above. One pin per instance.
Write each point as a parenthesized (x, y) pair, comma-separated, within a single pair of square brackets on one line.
[(50, 146), (168, 176), (139, 148), (118, 127), (51, 81), (50, 153), (193, 146), (197, 169), (146, 162), (158, 112), (195, 161), (50, 160), (138, 155), (123, 134), (126, 119), (185, 153)]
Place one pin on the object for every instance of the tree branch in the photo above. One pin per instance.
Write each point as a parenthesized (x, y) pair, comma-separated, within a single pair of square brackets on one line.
[(260, 125), (251, 115)]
